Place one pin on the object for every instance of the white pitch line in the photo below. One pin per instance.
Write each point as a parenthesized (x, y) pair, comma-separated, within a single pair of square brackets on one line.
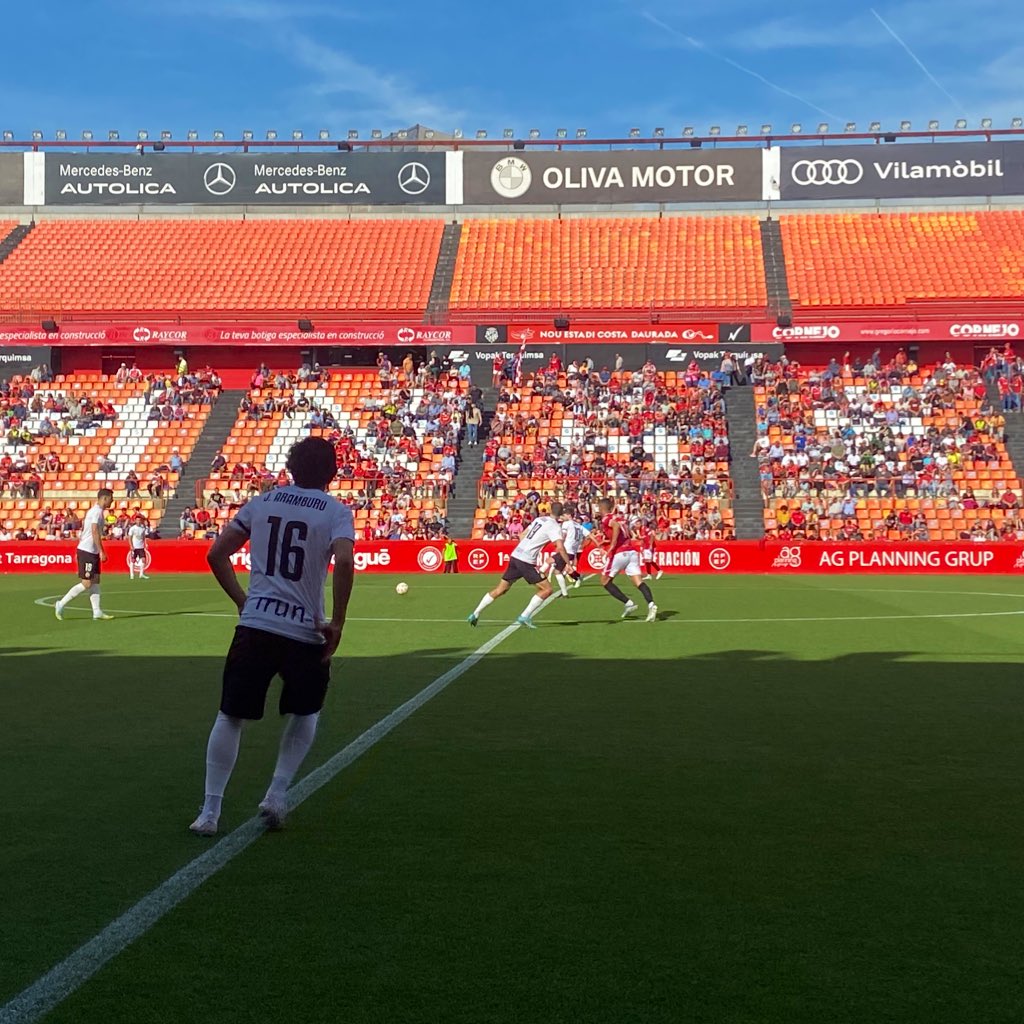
[(61, 981)]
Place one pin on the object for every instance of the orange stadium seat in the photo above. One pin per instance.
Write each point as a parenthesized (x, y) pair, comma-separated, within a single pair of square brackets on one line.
[(216, 266), (610, 263), (896, 259)]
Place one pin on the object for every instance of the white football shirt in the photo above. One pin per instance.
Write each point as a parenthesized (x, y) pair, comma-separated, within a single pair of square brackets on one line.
[(137, 536), (94, 517), (290, 530), (573, 536), (543, 530)]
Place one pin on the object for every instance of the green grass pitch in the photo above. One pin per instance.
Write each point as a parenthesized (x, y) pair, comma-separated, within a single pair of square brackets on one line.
[(791, 800)]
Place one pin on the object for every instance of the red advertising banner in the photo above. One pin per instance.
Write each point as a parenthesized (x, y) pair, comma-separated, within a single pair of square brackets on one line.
[(156, 332), (617, 334), (410, 557), (966, 328)]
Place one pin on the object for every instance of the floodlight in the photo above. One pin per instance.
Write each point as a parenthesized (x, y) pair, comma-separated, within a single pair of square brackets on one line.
[(61, 135), (143, 135), (986, 123), (933, 125), (481, 133), (246, 135), (353, 133), (402, 135), (796, 128), (659, 133), (296, 135), (378, 134), (561, 133), (113, 135), (324, 135), (87, 136), (8, 136), (1017, 122), (534, 133), (271, 135), (961, 124), (193, 136), (634, 133), (165, 136), (851, 126), (457, 134), (428, 133), (875, 126), (905, 126), (823, 128), (741, 129), (715, 130), (508, 133), (37, 136), (688, 131), (766, 129), (581, 133)]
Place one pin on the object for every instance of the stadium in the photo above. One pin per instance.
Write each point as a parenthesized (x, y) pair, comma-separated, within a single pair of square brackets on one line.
[(768, 381)]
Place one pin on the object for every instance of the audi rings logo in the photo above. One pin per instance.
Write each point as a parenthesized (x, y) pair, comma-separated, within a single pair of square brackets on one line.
[(827, 172), (429, 559), (478, 559), (219, 179), (413, 178)]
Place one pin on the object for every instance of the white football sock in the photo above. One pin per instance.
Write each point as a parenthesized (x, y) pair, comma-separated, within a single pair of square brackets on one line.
[(94, 600), (561, 584), (221, 754), (535, 602), (484, 602), (297, 738), (72, 594)]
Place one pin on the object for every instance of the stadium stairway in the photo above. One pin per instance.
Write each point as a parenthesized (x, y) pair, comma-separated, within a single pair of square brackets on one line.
[(1014, 431), (444, 274), (779, 300), (218, 426), (12, 240), (464, 500), (748, 507)]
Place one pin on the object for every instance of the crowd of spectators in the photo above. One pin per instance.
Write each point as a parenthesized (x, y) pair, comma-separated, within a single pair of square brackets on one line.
[(826, 439)]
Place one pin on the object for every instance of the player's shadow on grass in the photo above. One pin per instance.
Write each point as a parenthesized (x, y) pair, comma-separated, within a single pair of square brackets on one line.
[(800, 832)]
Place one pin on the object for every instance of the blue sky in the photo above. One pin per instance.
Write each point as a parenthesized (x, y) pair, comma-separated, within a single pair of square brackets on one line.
[(607, 65)]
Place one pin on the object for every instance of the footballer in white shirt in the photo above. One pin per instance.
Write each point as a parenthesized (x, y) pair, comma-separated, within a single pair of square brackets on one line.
[(90, 556), (137, 549), (522, 565), (293, 533)]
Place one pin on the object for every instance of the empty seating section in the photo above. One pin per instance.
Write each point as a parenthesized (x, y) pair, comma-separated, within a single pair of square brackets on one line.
[(615, 264), (74, 461), (395, 484), (917, 457), (215, 266), (653, 439), (896, 259)]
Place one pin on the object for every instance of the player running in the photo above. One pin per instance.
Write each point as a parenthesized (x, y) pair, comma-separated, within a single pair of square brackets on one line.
[(648, 545), (137, 549), (573, 537), (91, 556), (623, 556), (293, 532), (522, 565)]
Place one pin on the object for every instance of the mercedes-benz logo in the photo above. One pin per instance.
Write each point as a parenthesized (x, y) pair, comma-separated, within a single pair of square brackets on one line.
[(219, 179), (413, 178)]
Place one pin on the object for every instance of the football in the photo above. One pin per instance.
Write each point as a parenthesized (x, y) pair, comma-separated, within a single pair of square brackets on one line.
[(402, 588)]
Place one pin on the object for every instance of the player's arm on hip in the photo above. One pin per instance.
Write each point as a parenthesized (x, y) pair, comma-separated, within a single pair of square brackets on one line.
[(231, 539), (341, 590), (97, 539)]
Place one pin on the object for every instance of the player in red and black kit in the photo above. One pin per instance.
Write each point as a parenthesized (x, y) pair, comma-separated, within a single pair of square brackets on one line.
[(648, 544), (623, 555)]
